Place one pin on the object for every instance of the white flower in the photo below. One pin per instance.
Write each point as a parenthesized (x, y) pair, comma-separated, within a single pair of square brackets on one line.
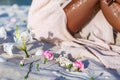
[(20, 44), (21, 41), (8, 48), (26, 35), (64, 62), (3, 33)]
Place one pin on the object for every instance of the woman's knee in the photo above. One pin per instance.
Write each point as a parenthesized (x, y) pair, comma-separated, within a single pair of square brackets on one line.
[(112, 13), (78, 13)]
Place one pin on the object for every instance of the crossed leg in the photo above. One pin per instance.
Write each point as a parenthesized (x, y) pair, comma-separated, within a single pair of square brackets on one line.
[(78, 13), (112, 13)]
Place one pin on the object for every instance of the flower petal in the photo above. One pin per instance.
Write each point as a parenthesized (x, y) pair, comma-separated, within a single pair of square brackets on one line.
[(3, 33), (8, 48)]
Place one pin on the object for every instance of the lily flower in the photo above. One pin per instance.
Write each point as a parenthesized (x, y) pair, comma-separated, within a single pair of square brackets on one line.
[(64, 62), (20, 41), (78, 65), (48, 56)]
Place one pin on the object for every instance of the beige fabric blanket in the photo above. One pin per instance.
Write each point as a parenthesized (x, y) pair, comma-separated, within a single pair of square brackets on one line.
[(47, 21)]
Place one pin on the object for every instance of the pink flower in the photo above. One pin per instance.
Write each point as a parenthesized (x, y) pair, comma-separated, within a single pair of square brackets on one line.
[(49, 55), (78, 65), (22, 63), (13, 20)]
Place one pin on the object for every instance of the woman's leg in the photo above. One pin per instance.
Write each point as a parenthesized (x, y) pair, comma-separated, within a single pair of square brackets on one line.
[(112, 13), (118, 1), (78, 13)]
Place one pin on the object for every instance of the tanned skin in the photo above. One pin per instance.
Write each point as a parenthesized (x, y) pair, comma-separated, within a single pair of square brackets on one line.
[(112, 13), (79, 14)]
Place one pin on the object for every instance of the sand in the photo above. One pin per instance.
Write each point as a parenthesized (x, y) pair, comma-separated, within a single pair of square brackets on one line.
[(10, 16)]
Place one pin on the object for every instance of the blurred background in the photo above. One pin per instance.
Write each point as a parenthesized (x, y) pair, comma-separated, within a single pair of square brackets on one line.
[(19, 2), (12, 13)]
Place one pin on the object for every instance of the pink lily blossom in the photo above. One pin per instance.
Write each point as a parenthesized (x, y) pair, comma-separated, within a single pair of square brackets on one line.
[(78, 65), (49, 55)]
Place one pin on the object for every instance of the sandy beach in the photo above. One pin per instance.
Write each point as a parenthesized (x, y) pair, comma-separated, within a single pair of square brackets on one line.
[(10, 16)]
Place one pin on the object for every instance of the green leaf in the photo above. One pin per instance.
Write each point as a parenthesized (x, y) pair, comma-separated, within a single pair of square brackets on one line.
[(37, 67), (45, 60), (70, 66), (92, 78), (17, 32), (26, 77), (21, 65), (24, 44), (77, 69)]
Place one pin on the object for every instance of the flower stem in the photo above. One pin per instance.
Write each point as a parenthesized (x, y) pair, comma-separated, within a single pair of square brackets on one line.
[(45, 60), (92, 78), (37, 67), (77, 69), (30, 68), (27, 56)]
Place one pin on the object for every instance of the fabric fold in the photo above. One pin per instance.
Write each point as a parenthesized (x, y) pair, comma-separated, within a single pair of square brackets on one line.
[(47, 21)]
